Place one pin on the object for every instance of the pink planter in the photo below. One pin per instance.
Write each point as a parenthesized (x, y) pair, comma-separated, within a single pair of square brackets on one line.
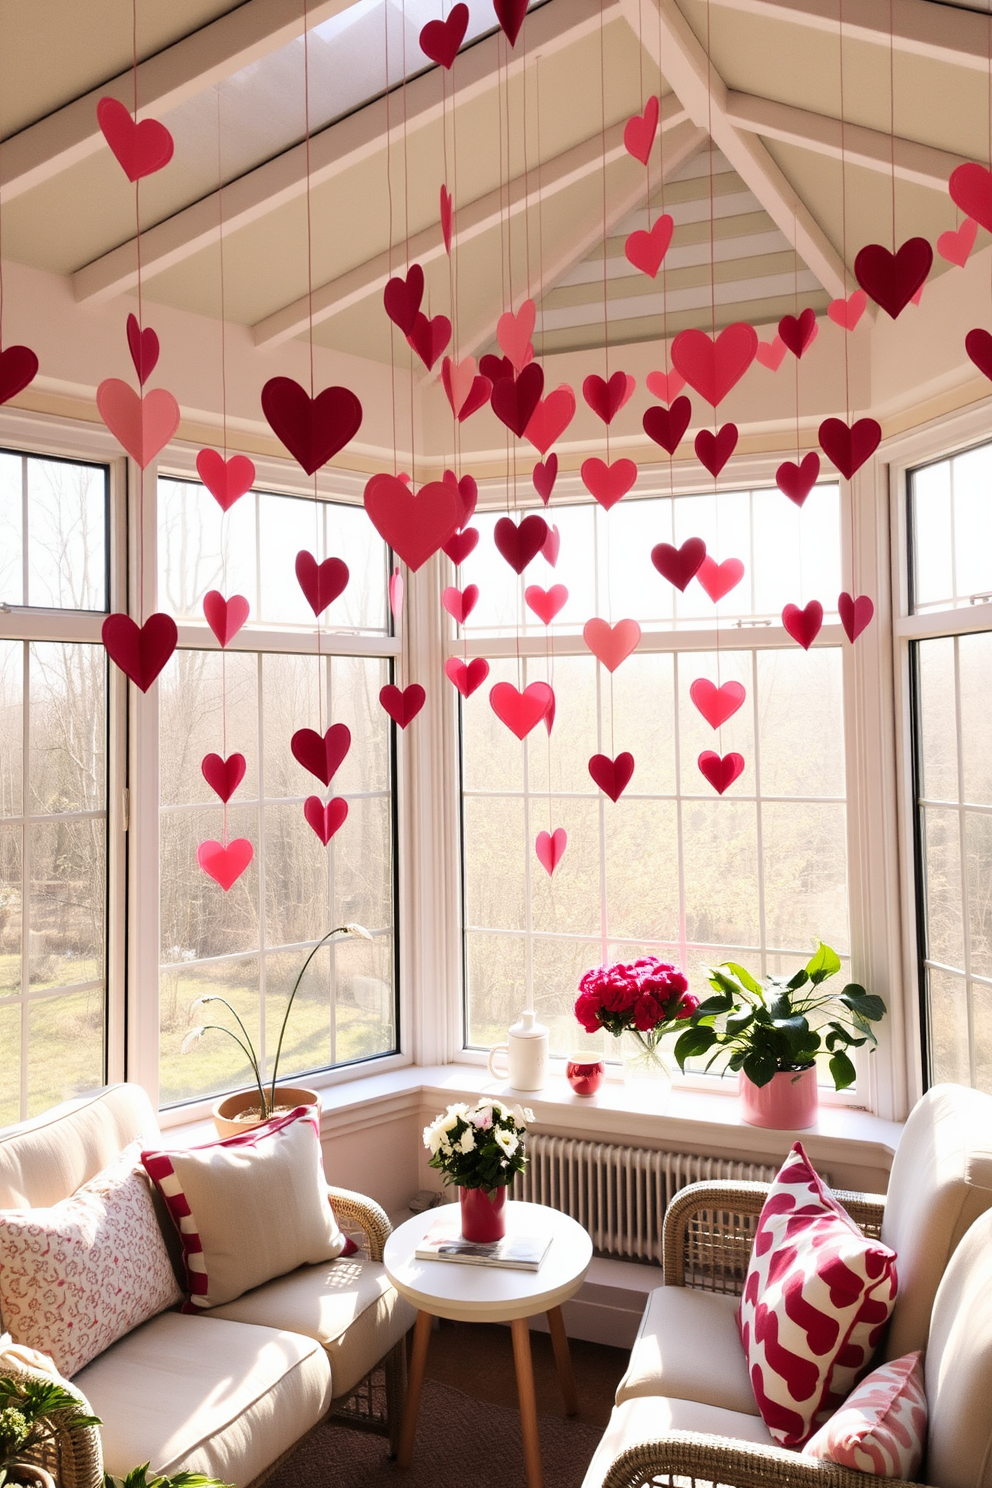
[(789, 1102), (483, 1214)]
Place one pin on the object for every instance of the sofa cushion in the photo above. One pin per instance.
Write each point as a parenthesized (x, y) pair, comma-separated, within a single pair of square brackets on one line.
[(688, 1347), (212, 1397), (44, 1160), (646, 1418), (882, 1426), (958, 1366)]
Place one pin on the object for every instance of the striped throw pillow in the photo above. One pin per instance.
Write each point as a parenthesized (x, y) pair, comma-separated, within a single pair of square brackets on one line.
[(882, 1426)]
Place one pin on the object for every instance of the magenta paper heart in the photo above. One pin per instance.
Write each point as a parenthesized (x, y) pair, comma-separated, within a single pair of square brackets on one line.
[(607, 398), (226, 480), (460, 603), (612, 776), (639, 131), (646, 250), (855, 614), (466, 675), (325, 820), (666, 426), (429, 337), (396, 590), (414, 526), (611, 644), (714, 450), (955, 247), (404, 706), (970, 187), (223, 775), (519, 545), (546, 603), (402, 298), (140, 653), (225, 865), (440, 40), (803, 625), (520, 711), (141, 149), (892, 279), (552, 546), (510, 14), (514, 399), (798, 331), (321, 754), (716, 704), (514, 332), (849, 448), (466, 391), (225, 616), (312, 429), (550, 848), (847, 313), (679, 565), (714, 367), (468, 494), (978, 345), (144, 349), (544, 475), (321, 582), (551, 417), (608, 483), (771, 354), (444, 206), (796, 481), (664, 385), (461, 544), (719, 578), (143, 425), (18, 368), (720, 772)]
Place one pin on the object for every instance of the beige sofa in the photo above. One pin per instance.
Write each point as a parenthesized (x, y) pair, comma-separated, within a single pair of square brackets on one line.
[(228, 1392)]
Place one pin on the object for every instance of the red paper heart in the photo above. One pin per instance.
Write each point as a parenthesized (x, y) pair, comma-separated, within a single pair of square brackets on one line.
[(143, 425), (847, 313), (514, 332), (955, 247), (612, 776), (321, 582), (796, 481), (321, 754), (226, 480), (664, 385), (429, 337), (225, 616), (892, 279), (679, 565), (550, 848), (544, 475), (440, 40), (510, 14), (467, 675), (551, 547), (312, 429), (855, 613), (140, 653), (141, 149), (514, 399), (468, 494), (666, 426), (520, 711), (608, 483), (798, 332), (714, 367), (396, 588), (549, 717), (444, 205), (551, 417), (771, 354), (402, 298), (978, 345), (716, 704), (607, 398), (714, 450), (495, 367), (223, 775), (325, 820), (803, 625), (646, 250), (414, 526), (404, 706), (466, 391), (971, 189), (519, 545), (225, 864), (720, 771), (546, 602), (611, 644), (460, 603), (461, 544), (719, 578), (639, 131), (144, 348), (18, 367), (849, 448)]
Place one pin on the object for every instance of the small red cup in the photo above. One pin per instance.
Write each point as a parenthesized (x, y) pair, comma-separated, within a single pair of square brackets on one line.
[(585, 1073)]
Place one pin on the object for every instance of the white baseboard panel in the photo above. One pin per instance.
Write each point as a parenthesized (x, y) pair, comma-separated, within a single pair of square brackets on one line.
[(608, 1307)]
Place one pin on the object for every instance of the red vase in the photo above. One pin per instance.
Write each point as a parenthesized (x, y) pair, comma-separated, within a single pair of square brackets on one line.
[(787, 1103), (483, 1213)]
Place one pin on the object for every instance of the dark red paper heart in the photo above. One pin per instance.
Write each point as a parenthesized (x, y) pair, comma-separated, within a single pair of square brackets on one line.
[(798, 331), (711, 366), (321, 754), (520, 545), (466, 675), (544, 475), (444, 203), (606, 398), (18, 367), (495, 367), (720, 771), (679, 565), (325, 820), (971, 189), (404, 706), (226, 480), (855, 613), (402, 298), (429, 337), (144, 348), (514, 399), (803, 625), (978, 345), (461, 545), (796, 481), (612, 775), (440, 40), (223, 775), (666, 426), (849, 448), (892, 279), (714, 450), (140, 653), (510, 14), (312, 429), (321, 582), (414, 526), (141, 149)]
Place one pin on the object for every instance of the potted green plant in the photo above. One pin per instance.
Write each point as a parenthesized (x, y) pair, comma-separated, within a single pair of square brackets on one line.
[(772, 1032), (479, 1148), (34, 1414)]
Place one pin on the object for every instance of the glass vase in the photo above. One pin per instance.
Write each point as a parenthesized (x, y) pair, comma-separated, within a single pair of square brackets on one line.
[(644, 1066)]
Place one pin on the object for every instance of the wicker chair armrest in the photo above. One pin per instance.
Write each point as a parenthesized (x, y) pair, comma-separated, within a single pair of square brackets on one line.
[(72, 1454), (355, 1211), (725, 1460), (866, 1209)]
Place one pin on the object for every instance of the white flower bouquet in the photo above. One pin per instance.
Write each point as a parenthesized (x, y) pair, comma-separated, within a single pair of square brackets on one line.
[(480, 1146)]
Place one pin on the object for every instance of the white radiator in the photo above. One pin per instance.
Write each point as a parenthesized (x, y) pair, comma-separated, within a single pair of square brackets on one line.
[(619, 1194)]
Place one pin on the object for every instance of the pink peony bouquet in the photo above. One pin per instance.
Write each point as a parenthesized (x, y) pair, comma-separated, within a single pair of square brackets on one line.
[(648, 997)]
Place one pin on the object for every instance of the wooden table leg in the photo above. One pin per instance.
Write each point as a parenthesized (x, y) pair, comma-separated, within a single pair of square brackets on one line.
[(563, 1360), (415, 1383), (528, 1404)]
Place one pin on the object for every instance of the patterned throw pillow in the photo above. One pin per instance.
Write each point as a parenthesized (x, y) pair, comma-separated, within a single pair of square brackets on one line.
[(882, 1426), (76, 1277), (816, 1300)]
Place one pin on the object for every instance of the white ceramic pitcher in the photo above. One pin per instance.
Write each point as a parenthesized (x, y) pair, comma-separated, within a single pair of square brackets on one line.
[(526, 1051)]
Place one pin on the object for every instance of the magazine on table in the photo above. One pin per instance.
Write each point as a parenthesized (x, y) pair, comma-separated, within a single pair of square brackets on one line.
[(443, 1242)]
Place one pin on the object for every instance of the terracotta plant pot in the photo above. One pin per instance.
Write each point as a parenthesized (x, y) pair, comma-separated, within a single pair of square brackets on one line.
[(226, 1110), (483, 1214), (789, 1102), (29, 1475)]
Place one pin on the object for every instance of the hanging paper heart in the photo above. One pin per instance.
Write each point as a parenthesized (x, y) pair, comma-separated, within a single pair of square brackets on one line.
[(892, 279), (771, 354), (396, 588), (223, 775), (664, 385), (466, 391), (468, 494), (321, 582), (798, 332), (440, 40), (519, 545), (312, 429), (414, 526), (224, 616), (460, 603), (550, 848), (140, 653), (544, 475), (971, 190), (646, 250), (720, 771), (461, 544), (226, 480), (803, 625), (714, 367), (847, 313), (141, 149), (514, 399), (321, 754), (666, 426), (144, 348), (639, 132), (855, 613), (325, 820), (495, 367), (917, 297), (444, 205), (714, 450), (611, 644), (143, 425), (546, 603), (978, 345), (612, 776), (520, 711), (510, 14), (549, 717), (716, 704), (608, 483), (551, 417), (679, 565), (849, 448), (796, 481), (552, 544), (404, 706), (429, 337), (607, 398), (225, 865), (514, 332), (18, 367), (955, 247), (466, 675), (719, 578), (402, 298)]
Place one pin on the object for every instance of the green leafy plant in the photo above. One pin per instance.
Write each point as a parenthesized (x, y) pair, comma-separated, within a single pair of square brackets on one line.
[(32, 1410), (139, 1477), (780, 1025)]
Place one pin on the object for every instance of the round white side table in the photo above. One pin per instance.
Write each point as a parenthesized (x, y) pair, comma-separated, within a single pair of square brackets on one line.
[(492, 1294)]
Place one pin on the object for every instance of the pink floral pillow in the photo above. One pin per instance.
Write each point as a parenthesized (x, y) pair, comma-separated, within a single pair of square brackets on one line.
[(76, 1277), (881, 1428)]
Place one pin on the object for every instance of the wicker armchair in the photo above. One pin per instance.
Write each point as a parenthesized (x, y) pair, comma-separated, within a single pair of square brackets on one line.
[(70, 1453)]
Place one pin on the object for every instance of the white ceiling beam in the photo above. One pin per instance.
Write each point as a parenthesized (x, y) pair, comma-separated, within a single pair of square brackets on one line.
[(336, 149), (671, 42)]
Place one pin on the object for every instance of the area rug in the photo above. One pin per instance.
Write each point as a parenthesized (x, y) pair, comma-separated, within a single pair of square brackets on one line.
[(460, 1440)]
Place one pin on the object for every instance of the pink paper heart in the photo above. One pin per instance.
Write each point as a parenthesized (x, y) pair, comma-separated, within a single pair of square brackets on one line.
[(429, 337), (440, 40), (607, 398), (970, 187), (847, 313), (719, 578), (544, 475), (612, 775), (514, 400), (664, 385), (18, 367), (917, 297), (225, 864), (520, 711), (720, 771), (798, 332), (510, 14), (223, 775), (519, 545), (466, 391), (141, 149), (226, 480), (771, 354), (892, 279), (608, 483), (550, 848), (404, 706), (549, 717), (314, 430), (552, 546), (144, 348), (415, 526), (461, 544), (716, 704), (849, 446), (466, 675), (796, 481), (444, 206), (321, 582), (321, 754), (143, 425), (514, 332), (855, 613), (611, 644), (714, 450), (225, 616), (140, 653), (679, 565), (551, 417), (460, 603), (325, 820), (468, 494), (803, 625), (546, 603), (666, 426), (396, 589), (714, 366), (646, 250), (402, 298), (640, 130)]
